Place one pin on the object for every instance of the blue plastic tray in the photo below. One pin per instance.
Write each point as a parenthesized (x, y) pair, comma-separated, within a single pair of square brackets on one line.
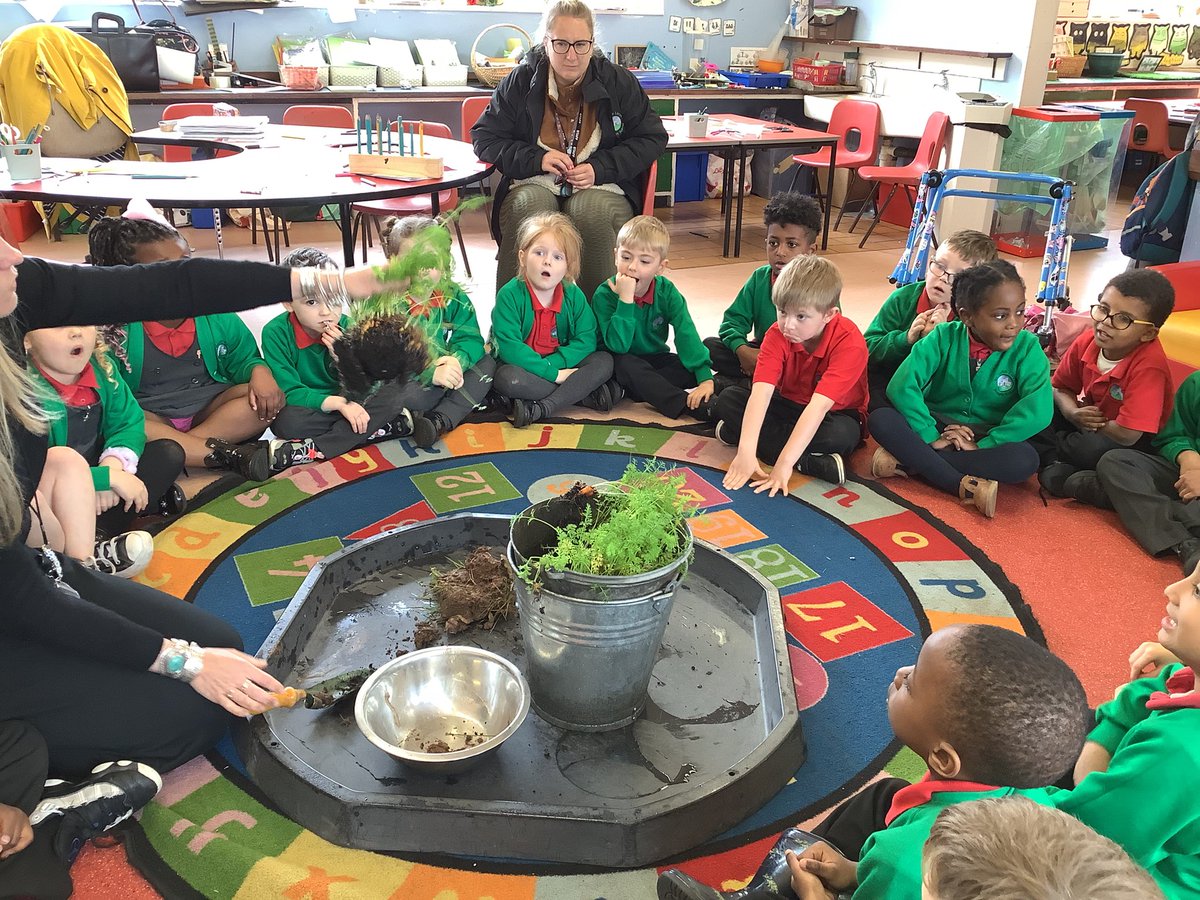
[(758, 79)]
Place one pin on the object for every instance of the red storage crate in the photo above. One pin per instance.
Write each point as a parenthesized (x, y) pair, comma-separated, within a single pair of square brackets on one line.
[(815, 74), (19, 221)]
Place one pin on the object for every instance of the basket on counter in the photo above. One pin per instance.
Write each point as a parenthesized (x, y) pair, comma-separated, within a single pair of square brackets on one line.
[(1070, 66), (353, 76), (401, 76), (304, 78), (497, 66)]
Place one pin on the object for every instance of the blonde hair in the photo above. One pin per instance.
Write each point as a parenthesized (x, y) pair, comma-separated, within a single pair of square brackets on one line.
[(21, 407), (396, 230), (563, 231), (974, 247), (645, 233), (565, 9), (808, 282), (1011, 848)]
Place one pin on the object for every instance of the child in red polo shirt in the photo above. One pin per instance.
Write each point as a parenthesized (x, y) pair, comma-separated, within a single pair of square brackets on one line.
[(808, 401), (1112, 389), (544, 330)]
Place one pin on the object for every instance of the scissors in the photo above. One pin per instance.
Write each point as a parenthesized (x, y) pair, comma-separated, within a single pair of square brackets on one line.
[(10, 134)]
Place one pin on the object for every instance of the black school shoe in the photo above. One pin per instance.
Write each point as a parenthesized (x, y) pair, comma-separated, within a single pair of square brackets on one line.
[(826, 466), (600, 399), (172, 503), (113, 793), (251, 460), (428, 429), (526, 412)]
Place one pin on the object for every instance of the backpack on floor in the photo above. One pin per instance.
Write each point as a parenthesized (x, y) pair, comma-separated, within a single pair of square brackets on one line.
[(1157, 220)]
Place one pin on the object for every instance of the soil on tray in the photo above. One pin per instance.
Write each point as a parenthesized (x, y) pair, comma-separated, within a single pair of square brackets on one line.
[(478, 591)]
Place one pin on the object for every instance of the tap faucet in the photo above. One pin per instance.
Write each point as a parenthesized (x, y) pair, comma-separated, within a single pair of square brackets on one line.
[(873, 77), (944, 84)]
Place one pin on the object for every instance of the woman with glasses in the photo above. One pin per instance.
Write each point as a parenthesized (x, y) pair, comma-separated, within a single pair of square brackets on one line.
[(570, 132)]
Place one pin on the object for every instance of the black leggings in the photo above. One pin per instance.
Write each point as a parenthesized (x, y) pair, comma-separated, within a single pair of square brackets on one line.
[(158, 467), (91, 712), (944, 469), (839, 432), (37, 871), (725, 361), (517, 383)]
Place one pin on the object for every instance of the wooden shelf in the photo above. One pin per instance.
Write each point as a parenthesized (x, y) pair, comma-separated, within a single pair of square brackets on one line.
[(978, 54)]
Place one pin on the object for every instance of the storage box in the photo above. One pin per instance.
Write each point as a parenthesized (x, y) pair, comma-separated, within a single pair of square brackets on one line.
[(691, 176), (304, 78), (401, 76), (758, 79), (18, 221), (353, 76), (832, 23), (815, 74)]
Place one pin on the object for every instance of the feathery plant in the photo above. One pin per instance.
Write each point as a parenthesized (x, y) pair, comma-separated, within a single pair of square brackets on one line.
[(636, 525)]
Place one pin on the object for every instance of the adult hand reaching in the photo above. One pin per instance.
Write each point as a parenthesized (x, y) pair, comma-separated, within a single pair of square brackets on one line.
[(236, 682)]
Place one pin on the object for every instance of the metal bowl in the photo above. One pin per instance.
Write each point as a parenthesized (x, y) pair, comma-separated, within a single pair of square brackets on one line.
[(470, 699)]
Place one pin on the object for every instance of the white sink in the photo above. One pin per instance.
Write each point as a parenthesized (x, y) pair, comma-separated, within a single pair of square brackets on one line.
[(901, 116)]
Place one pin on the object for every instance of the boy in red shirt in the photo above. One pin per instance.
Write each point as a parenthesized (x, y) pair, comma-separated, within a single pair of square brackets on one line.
[(808, 400), (1112, 389)]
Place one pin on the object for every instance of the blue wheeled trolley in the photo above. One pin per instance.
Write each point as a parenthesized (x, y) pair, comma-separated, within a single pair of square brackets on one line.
[(936, 186)]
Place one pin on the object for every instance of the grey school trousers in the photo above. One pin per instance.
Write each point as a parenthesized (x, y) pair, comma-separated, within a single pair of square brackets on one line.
[(1141, 487), (597, 214)]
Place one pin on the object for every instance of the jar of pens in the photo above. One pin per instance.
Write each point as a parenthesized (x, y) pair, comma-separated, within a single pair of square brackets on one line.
[(22, 152), (394, 149)]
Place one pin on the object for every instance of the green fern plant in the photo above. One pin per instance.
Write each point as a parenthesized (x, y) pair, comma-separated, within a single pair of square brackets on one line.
[(636, 525)]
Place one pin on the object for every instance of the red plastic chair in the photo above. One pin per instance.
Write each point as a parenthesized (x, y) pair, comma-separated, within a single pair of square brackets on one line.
[(320, 116), (1151, 130), (472, 109), (374, 210), (855, 122), (648, 196), (929, 153)]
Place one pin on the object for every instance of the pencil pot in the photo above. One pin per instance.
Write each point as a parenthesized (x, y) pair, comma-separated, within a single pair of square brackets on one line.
[(24, 161), (697, 125)]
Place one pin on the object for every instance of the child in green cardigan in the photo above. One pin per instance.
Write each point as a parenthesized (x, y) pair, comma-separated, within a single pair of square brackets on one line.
[(970, 395), (636, 309), (544, 330), (990, 712), (460, 376), (913, 311), (93, 412), (793, 223), (1138, 776), (201, 381)]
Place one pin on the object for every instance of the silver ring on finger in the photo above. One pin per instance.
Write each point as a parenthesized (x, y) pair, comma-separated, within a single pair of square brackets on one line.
[(246, 685)]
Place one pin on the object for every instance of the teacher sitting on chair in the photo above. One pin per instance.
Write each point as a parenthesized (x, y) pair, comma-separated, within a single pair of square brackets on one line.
[(570, 132)]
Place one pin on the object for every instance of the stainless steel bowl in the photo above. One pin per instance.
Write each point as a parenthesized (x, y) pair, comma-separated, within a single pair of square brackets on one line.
[(470, 699)]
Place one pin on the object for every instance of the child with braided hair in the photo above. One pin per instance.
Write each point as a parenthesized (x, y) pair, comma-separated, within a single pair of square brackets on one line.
[(201, 381)]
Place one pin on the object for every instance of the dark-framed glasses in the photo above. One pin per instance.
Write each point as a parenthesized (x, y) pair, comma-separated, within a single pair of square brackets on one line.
[(1119, 320), (581, 48), (942, 272)]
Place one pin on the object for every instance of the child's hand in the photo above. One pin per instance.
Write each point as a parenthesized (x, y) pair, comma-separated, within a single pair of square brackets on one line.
[(1088, 418), (1188, 484), (623, 286), (15, 831), (834, 870), (1147, 659), (564, 374), (106, 500), (354, 413), (130, 488), (805, 884), (265, 396), (960, 437), (329, 335), (448, 373), (699, 394), (741, 470), (776, 482), (918, 327), (747, 358), (937, 316)]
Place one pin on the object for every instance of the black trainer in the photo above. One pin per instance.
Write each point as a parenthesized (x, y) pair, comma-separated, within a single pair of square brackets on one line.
[(721, 431), (1189, 554), (615, 391), (173, 502), (600, 399), (251, 460), (1085, 487), (1054, 476), (113, 793), (427, 429), (706, 411), (826, 466), (285, 454), (526, 412), (124, 555)]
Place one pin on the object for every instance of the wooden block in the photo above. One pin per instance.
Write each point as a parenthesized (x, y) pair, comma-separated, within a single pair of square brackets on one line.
[(394, 166)]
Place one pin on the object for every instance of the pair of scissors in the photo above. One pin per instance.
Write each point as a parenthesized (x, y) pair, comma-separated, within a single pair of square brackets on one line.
[(10, 134)]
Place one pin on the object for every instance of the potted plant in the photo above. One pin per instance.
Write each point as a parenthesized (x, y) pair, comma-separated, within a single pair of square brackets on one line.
[(596, 572)]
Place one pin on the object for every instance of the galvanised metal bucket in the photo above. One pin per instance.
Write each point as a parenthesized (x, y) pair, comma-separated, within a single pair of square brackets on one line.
[(588, 661)]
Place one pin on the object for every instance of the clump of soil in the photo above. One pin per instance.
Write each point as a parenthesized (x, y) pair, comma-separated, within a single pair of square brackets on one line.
[(436, 747), (478, 591)]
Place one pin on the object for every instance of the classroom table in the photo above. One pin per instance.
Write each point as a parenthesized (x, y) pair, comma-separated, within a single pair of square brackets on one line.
[(732, 138), (291, 166)]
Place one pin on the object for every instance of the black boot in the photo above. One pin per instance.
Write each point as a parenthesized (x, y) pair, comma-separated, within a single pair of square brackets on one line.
[(172, 503), (428, 429), (251, 460), (773, 879)]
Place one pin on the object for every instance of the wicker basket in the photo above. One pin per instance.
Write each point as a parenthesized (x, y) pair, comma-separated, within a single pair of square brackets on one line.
[(1070, 66), (352, 76), (400, 76), (497, 66)]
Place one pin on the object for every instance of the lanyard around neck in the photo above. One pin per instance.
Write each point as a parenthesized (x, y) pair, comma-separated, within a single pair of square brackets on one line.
[(570, 148)]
